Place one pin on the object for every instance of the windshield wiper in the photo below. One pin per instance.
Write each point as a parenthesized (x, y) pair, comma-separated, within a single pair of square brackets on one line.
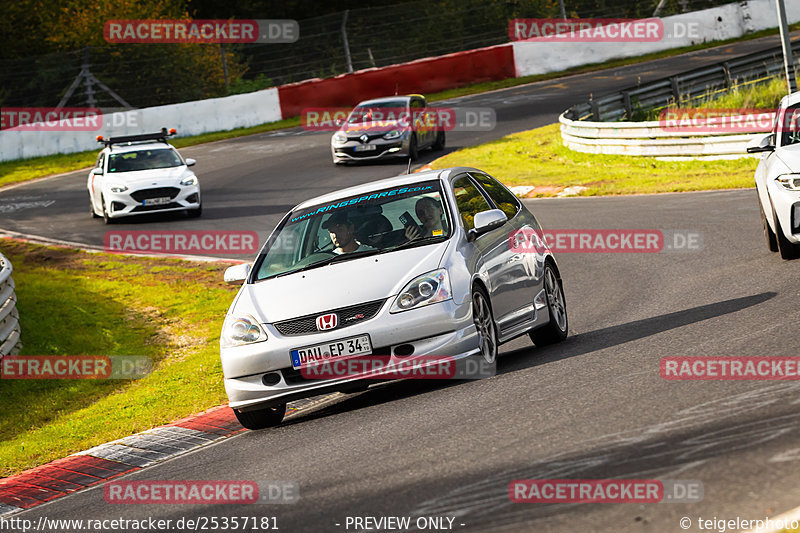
[(334, 259), (412, 243)]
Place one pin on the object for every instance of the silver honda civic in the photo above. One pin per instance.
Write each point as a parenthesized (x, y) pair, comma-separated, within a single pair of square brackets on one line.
[(418, 266)]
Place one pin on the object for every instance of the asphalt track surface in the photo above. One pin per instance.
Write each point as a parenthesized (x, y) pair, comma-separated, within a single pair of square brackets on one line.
[(594, 406)]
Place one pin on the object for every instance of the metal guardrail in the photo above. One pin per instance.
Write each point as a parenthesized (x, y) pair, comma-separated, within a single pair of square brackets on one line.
[(9, 315), (682, 88), (596, 127)]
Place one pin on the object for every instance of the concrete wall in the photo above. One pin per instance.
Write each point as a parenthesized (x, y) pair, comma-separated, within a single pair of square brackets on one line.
[(189, 118), (422, 76), (725, 22)]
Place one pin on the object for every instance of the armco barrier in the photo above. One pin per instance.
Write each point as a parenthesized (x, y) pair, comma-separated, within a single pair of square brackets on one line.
[(421, 76), (649, 139), (9, 316)]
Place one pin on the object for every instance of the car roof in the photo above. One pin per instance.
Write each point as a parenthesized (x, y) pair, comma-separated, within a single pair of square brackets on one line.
[(790, 99), (133, 147), (402, 97), (403, 179)]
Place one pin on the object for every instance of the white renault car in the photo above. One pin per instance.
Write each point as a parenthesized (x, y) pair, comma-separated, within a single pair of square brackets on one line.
[(420, 265), (139, 174), (778, 179)]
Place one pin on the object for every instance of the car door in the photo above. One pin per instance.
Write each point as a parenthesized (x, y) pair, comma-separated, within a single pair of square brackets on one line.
[(522, 271), (96, 181), (491, 249)]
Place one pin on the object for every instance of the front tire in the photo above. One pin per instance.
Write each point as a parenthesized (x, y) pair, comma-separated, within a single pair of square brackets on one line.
[(195, 213), (556, 328), (413, 149), (484, 323), (106, 219), (440, 141), (262, 418), (769, 235), (787, 249)]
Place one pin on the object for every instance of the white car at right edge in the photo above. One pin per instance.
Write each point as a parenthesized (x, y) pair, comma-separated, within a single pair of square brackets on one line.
[(778, 179)]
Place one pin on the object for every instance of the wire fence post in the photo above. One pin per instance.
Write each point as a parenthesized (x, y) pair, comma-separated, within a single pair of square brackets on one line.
[(788, 61), (346, 44), (224, 66)]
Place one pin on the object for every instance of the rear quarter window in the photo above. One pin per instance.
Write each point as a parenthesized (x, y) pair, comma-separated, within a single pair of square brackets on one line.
[(501, 196)]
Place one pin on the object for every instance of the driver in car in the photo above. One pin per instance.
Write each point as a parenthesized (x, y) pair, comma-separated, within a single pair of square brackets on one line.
[(342, 233)]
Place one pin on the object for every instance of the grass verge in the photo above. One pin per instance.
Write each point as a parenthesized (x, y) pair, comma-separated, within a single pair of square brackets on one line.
[(78, 303), (539, 158), (28, 169)]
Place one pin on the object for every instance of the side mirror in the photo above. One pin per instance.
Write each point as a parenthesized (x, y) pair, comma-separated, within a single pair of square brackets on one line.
[(190, 162), (486, 221), (97, 171), (237, 273), (764, 144)]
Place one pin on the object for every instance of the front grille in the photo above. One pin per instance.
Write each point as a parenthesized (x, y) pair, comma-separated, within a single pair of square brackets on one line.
[(348, 316), (157, 192), (372, 136), (140, 208)]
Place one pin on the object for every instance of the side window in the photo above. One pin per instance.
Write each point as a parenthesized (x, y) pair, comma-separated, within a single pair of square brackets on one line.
[(469, 200), (100, 159), (501, 196), (790, 129)]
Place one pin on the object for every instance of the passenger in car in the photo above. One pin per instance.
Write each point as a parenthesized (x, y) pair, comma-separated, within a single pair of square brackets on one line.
[(430, 213)]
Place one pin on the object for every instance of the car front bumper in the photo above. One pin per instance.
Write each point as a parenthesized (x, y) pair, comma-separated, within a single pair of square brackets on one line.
[(441, 329), (787, 209), (383, 150), (124, 204)]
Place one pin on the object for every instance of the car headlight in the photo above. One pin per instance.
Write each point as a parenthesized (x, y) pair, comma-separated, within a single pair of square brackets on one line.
[(790, 181), (394, 134), (239, 330), (190, 180), (423, 290), (339, 138), (117, 188)]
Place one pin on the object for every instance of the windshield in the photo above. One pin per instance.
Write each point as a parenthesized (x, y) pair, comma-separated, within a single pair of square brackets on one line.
[(391, 110), (354, 226), (143, 160)]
